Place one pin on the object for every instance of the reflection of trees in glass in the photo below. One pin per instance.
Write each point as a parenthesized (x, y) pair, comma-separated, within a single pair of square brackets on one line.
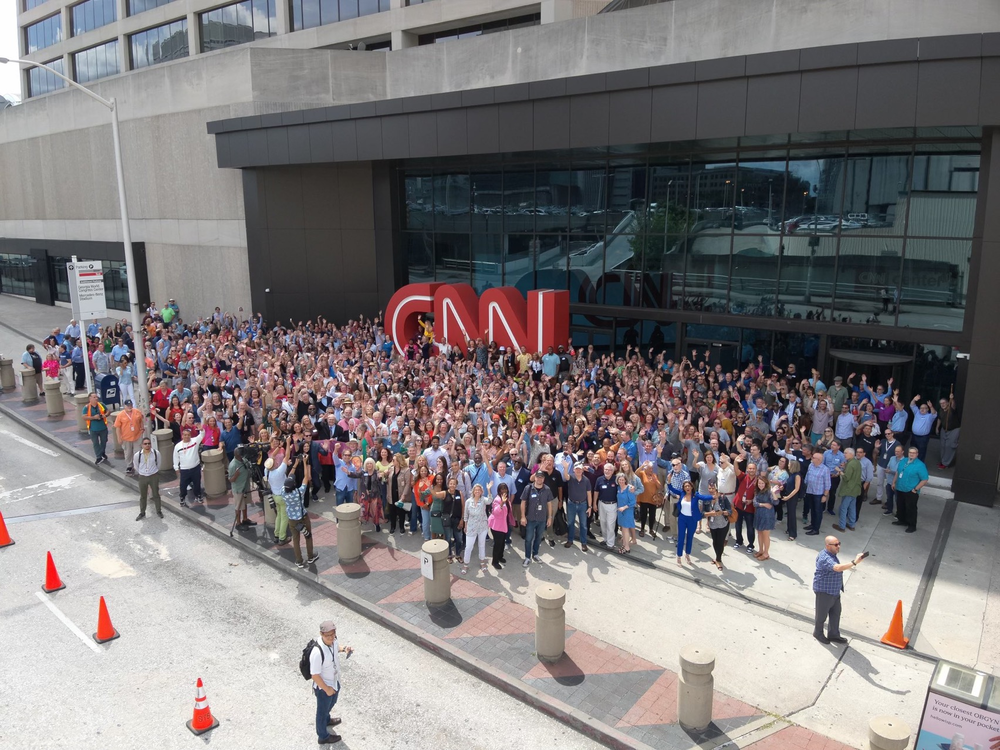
[(678, 219)]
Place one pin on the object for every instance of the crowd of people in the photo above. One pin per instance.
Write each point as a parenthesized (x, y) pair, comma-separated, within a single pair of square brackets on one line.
[(467, 443)]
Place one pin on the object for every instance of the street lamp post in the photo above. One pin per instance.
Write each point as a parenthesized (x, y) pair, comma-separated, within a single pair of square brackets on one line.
[(133, 292)]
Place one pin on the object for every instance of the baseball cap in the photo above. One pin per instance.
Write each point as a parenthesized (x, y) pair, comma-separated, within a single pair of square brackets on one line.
[(128, 402)]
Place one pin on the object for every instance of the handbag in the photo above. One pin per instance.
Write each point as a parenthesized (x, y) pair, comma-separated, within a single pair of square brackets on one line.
[(658, 499), (677, 509), (733, 516), (559, 524)]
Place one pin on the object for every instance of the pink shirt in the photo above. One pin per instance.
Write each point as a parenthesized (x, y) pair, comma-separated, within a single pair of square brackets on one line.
[(501, 517)]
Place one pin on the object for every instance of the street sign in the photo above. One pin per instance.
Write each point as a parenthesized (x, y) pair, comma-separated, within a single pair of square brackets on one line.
[(426, 565), (86, 290)]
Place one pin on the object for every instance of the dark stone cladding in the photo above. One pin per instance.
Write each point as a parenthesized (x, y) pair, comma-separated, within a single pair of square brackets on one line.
[(934, 82)]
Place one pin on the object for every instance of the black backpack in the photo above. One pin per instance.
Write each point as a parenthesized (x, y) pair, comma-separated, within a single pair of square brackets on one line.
[(304, 667)]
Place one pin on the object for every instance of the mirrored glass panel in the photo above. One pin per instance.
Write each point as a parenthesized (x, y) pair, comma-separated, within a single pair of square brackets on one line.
[(868, 279), (805, 286), (452, 196), (875, 188), (419, 249), (452, 259), (935, 283), (943, 196), (706, 277), (487, 261)]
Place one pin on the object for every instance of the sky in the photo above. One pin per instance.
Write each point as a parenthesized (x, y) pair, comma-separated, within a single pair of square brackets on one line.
[(10, 84)]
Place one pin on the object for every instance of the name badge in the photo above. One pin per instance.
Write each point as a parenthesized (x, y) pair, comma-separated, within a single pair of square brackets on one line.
[(539, 508)]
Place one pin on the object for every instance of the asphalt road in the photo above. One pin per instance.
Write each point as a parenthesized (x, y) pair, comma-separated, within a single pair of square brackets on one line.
[(190, 606)]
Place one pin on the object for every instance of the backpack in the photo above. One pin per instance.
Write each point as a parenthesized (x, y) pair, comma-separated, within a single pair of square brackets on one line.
[(304, 666)]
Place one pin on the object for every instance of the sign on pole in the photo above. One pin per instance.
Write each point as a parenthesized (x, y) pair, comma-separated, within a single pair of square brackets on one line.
[(426, 565), (962, 710), (86, 290)]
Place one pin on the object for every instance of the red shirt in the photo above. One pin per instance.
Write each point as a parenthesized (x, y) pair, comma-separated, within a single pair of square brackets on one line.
[(745, 492)]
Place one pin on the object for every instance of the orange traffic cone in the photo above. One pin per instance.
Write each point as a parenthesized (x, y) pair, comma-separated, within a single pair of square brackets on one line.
[(203, 720), (105, 630), (5, 540), (52, 582), (894, 636)]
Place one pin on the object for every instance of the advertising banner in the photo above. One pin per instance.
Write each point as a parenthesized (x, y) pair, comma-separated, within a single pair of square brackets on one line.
[(950, 724)]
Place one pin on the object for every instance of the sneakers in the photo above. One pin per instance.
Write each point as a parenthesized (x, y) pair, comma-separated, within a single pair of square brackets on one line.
[(536, 559), (183, 503), (750, 549), (942, 467), (609, 545), (552, 542), (526, 563), (101, 460), (300, 564), (465, 570), (314, 558), (159, 513), (737, 545), (247, 522), (886, 512)]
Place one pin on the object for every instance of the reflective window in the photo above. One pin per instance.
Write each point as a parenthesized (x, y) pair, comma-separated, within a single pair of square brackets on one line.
[(519, 253), (452, 202), (419, 250), (92, 14), (115, 281), (238, 23), (418, 211), (465, 32), (875, 190), (30, 4), (96, 62), (43, 34), (41, 81), (307, 14), (159, 44), (943, 196), (805, 286), (868, 271), (17, 274), (452, 259), (139, 6), (487, 261), (934, 284)]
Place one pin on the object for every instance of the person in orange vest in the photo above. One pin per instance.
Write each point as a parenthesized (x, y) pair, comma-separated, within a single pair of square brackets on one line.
[(130, 425), (96, 417)]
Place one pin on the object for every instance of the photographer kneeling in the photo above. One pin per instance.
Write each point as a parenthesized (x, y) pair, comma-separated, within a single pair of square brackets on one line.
[(298, 519)]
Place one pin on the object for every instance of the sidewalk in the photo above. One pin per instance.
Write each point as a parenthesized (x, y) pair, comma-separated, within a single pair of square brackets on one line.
[(606, 692)]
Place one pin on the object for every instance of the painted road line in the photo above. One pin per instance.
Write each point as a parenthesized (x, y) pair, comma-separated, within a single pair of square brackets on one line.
[(67, 622), (38, 490), (24, 441), (71, 512)]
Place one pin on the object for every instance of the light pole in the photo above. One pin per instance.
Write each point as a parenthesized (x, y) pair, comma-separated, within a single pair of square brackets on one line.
[(133, 293)]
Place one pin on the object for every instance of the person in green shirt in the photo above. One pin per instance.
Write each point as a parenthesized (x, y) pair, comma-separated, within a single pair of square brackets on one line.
[(848, 491), (167, 313), (239, 476)]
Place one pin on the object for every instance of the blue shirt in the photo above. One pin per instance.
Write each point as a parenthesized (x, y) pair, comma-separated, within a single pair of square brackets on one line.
[(77, 355), (833, 461), (118, 351), (293, 503), (909, 473), (93, 330), (898, 421), (481, 475), (817, 479), (230, 439), (342, 479), (550, 364), (922, 423), (826, 580)]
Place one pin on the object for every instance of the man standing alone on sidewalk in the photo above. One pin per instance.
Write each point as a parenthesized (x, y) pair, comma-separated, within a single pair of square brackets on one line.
[(828, 585), (146, 464), (129, 424), (324, 663)]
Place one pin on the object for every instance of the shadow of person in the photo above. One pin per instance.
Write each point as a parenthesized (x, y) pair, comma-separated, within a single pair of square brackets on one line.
[(771, 565), (859, 664)]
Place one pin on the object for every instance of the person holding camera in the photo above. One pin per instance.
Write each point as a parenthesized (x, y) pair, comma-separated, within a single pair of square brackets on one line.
[(298, 519), (239, 476), (828, 584)]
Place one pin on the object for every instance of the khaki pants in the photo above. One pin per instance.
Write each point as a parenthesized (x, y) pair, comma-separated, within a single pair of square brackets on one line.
[(145, 485), (298, 527), (129, 446)]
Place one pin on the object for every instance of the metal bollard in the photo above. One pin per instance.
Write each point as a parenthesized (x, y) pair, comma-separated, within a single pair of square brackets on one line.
[(348, 532), (214, 472), (53, 399), (888, 733), (550, 622), (437, 590), (163, 441), (7, 381), (116, 444), (29, 386), (80, 400), (696, 688)]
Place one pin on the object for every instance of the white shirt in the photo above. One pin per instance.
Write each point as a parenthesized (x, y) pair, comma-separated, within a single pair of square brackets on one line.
[(186, 455), (325, 661), (146, 464), (276, 478)]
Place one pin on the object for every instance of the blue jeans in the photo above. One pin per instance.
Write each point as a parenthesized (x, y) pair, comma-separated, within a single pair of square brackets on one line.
[(686, 526), (890, 496), (533, 538), (576, 512), (425, 522), (324, 705), (848, 510), (414, 516), (449, 536), (920, 443), (344, 496)]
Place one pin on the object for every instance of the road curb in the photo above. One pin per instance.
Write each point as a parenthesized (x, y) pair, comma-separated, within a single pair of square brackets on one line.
[(572, 717)]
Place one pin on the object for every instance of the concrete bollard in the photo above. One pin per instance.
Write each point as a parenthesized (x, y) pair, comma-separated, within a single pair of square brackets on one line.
[(348, 532), (79, 401), (550, 622), (7, 380), (888, 733), (696, 688), (163, 441), (214, 472), (54, 400), (116, 444), (29, 386), (437, 590)]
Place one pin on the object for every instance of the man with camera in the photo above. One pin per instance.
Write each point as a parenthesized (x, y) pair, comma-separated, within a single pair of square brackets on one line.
[(298, 519), (828, 584), (240, 476)]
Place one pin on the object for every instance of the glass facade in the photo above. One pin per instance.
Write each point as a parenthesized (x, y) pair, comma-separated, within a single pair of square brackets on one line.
[(309, 13), (238, 23), (41, 81), (115, 281), (159, 44), (92, 14), (43, 34), (30, 4), (479, 29), (853, 231), (17, 274), (140, 6), (97, 62)]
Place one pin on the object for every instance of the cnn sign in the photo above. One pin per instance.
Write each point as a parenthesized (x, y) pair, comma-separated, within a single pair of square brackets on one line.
[(501, 315)]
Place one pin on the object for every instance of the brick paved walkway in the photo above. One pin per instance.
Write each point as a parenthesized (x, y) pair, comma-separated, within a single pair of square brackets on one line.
[(608, 685)]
